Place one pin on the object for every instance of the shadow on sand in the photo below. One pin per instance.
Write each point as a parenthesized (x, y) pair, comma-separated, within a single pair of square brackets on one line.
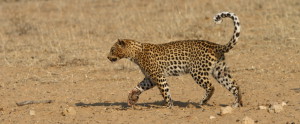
[(125, 105)]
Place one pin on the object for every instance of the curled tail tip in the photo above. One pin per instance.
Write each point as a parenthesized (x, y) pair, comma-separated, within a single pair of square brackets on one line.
[(218, 21), (218, 17)]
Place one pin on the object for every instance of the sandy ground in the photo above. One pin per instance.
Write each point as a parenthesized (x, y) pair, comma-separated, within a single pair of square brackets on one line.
[(56, 50)]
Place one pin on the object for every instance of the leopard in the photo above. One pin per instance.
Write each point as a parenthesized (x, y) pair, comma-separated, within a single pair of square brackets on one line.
[(199, 58)]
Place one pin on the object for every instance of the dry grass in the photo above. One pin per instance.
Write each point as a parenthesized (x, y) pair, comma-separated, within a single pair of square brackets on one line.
[(43, 33)]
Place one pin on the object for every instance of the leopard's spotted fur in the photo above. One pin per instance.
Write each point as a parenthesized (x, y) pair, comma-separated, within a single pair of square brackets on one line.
[(199, 58)]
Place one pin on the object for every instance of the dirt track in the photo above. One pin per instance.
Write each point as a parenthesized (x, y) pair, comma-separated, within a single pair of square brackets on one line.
[(56, 50)]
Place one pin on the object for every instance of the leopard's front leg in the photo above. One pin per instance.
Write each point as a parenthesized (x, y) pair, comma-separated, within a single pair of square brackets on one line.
[(144, 85), (164, 90), (133, 96)]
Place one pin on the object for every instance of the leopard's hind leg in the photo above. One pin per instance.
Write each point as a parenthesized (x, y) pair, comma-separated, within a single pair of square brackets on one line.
[(201, 78), (221, 74)]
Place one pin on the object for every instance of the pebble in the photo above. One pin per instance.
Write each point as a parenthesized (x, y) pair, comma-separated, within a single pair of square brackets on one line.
[(262, 107), (69, 111), (212, 117), (226, 110), (247, 120), (31, 112), (283, 104), (275, 108), (190, 106)]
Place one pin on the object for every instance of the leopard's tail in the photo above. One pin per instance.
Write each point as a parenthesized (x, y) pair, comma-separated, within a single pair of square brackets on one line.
[(237, 28)]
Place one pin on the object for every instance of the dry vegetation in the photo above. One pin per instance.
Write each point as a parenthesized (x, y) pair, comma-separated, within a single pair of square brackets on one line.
[(56, 50)]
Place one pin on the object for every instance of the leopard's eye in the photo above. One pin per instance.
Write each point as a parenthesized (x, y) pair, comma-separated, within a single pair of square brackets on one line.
[(112, 49)]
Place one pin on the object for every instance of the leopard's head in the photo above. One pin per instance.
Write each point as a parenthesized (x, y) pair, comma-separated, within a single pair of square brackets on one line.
[(123, 48)]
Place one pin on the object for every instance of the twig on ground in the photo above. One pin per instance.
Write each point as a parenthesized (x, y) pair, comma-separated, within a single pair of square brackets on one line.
[(33, 102)]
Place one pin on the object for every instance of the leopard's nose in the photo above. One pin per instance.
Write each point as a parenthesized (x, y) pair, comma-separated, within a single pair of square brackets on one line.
[(112, 59)]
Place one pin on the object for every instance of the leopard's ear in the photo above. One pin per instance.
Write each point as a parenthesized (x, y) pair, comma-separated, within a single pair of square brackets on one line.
[(121, 42)]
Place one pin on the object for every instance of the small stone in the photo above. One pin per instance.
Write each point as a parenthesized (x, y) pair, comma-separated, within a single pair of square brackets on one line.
[(72, 111), (190, 105), (247, 120), (275, 108), (226, 110), (31, 112), (212, 117), (69, 111), (262, 107), (283, 104)]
